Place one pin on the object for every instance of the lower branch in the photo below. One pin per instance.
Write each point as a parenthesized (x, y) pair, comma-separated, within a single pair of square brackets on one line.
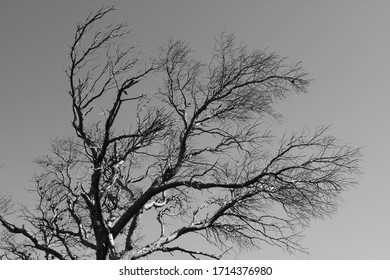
[(190, 252), (17, 230)]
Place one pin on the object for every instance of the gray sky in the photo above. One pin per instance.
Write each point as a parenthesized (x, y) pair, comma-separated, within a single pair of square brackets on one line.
[(344, 46)]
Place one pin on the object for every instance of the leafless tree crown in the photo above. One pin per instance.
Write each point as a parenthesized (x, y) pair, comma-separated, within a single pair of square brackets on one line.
[(146, 171)]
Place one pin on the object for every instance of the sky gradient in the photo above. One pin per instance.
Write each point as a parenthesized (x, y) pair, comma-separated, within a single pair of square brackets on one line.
[(343, 45)]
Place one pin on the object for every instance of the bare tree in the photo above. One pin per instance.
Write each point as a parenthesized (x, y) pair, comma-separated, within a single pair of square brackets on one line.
[(194, 158)]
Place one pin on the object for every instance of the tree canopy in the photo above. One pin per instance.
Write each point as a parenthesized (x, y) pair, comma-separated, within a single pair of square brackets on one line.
[(191, 158)]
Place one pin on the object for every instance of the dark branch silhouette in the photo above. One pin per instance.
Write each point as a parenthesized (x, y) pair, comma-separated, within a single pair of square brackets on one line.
[(197, 155)]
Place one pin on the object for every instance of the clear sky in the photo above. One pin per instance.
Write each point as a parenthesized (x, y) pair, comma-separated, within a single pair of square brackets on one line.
[(344, 46)]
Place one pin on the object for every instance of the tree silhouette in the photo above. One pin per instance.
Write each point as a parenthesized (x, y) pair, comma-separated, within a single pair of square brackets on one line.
[(193, 159)]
